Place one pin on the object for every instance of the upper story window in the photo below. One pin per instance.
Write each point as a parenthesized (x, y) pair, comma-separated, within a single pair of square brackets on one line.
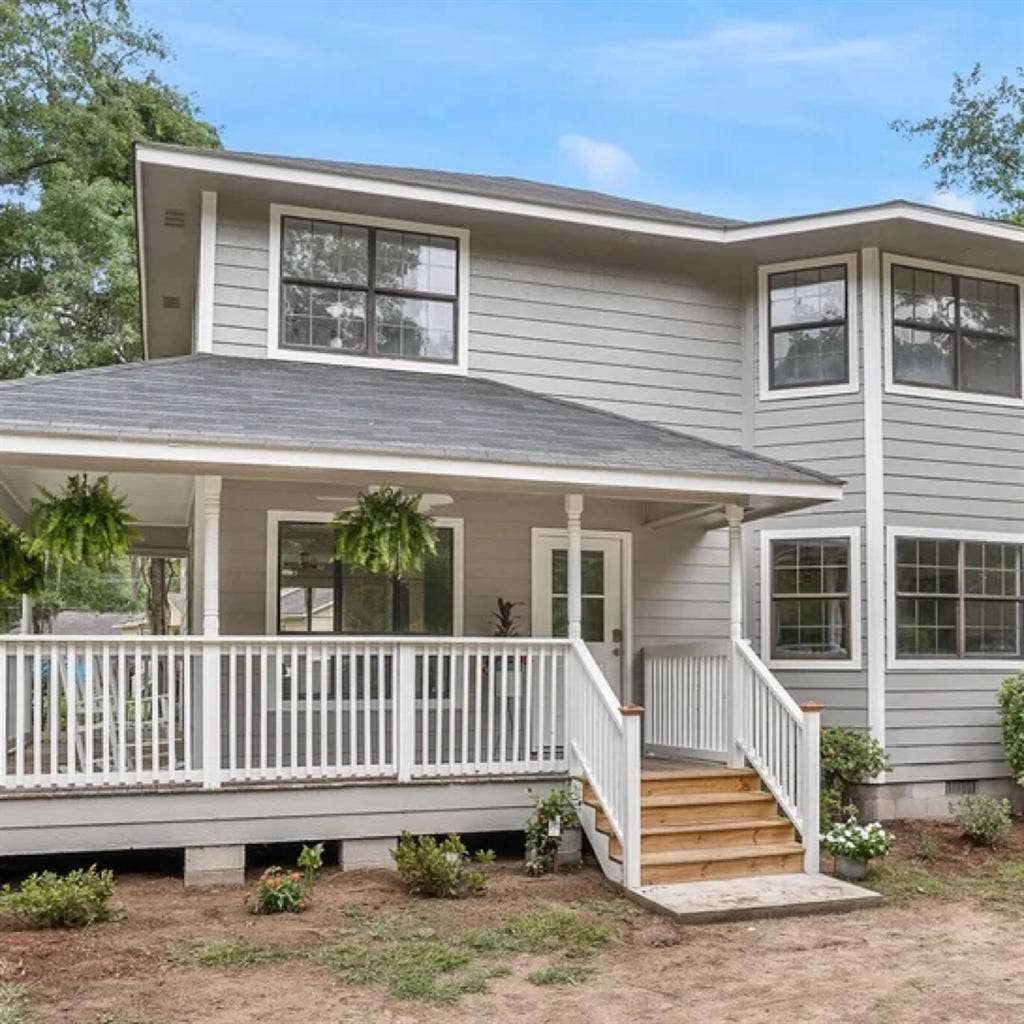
[(955, 332), (351, 289), (808, 327)]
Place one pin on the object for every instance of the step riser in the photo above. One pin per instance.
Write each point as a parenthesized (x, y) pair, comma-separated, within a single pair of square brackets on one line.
[(652, 817), (706, 870), (690, 787), (767, 835)]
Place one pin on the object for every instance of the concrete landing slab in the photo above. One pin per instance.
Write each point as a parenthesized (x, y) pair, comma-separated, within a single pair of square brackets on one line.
[(736, 899)]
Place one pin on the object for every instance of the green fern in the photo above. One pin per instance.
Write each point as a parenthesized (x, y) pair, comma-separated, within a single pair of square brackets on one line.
[(82, 524), (385, 533), (21, 572)]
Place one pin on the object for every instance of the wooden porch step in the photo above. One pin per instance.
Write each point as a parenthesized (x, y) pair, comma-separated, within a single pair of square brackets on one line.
[(710, 836), (663, 809), (732, 862), (699, 780)]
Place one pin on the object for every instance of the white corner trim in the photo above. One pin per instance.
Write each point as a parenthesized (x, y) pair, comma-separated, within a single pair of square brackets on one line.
[(276, 516), (207, 272), (874, 492), (935, 664), (274, 349), (944, 394), (140, 246), (851, 664), (852, 383)]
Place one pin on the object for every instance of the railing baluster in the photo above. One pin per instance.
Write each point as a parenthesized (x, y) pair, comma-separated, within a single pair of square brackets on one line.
[(70, 686), (310, 676), (172, 709), (19, 718), (232, 711), (37, 712), (249, 694)]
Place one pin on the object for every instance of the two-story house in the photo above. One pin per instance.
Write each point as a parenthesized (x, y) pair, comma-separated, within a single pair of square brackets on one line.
[(722, 468)]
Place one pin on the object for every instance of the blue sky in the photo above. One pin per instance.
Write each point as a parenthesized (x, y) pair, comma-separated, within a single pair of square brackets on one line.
[(749, 110)]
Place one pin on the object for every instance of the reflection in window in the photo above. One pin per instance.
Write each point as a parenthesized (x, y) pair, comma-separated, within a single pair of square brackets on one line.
[(367, 291), (807, 327), (317, 595), (955, 332)]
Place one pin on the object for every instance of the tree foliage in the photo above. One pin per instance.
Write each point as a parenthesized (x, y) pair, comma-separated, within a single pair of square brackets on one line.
[(21, 571), (977, 145), (77, 91), (1011, 720)]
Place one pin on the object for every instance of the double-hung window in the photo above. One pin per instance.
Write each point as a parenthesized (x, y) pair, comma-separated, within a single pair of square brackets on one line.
[(957, 598), (955, 332), (358, 290)]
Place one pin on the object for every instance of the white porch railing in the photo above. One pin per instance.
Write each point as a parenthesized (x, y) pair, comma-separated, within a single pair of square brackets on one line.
[(718, 700), (80, 712)]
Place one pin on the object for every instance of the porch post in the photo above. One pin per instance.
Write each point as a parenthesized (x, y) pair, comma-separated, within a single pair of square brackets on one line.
[(208, 489), (734, 517), (574, 567), (26, 614), (810, 785)]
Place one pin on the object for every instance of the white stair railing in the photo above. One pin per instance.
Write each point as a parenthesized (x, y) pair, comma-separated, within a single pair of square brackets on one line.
[(604, 748)]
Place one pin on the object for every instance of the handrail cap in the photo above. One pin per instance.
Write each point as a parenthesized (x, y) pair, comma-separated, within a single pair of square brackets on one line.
[(811, 706), (631, 709)]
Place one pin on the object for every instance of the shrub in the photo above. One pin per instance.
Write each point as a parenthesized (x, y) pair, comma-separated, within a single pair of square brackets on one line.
[(444, 869), (985, 820), (280, 892), (310, 862), (552, 815), (858, 842), (848, 758), (1011, 716), (50, 900)]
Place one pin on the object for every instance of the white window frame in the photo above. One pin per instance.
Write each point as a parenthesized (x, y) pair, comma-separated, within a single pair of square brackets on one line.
[(277, 516), (959, 664), (944, 394), (276, 351), (852, 385), (852, 536)]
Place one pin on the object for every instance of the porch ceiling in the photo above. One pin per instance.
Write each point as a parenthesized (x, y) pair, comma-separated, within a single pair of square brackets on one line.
[(255, 417)]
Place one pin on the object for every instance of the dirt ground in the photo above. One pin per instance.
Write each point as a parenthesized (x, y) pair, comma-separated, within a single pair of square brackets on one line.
[(947, 958)]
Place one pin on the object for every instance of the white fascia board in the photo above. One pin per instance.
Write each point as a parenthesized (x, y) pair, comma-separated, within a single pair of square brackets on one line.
[(172, 453), (214, 163)]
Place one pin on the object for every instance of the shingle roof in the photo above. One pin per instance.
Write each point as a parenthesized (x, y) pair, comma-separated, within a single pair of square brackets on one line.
[(519, 189), (270, 403)]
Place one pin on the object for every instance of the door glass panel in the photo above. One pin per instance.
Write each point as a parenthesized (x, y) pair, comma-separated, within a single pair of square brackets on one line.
[(592, 617)]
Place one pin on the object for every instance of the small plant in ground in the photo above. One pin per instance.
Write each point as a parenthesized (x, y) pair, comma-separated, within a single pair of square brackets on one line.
[(552, 815), (927, 847), (444, 869), (226, 953), (555, 975), (857, 842), (279, 892), (985, 820), (50, 900), (14, 1004), (1011, 719), (848, 758), (543, 931), (310, 862)]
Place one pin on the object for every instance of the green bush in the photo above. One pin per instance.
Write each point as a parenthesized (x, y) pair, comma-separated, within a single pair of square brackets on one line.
[(848, 758), (280, 892), (50, 900), (1011, 716), (541, 845), (985, 820), (310, 862), (444, 869)]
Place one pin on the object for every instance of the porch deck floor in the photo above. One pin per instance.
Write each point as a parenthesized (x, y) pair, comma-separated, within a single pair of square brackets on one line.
[(735, 899), (651, 765)]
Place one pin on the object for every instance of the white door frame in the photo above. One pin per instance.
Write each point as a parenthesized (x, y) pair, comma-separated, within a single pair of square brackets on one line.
[(539, 580)]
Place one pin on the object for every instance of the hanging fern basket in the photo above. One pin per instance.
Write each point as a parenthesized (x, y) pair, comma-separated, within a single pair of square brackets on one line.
[(385, 533), (84, 523), (21, 572)]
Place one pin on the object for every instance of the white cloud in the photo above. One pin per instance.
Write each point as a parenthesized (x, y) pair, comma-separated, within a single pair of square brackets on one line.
[(953, 201), (604, 164)]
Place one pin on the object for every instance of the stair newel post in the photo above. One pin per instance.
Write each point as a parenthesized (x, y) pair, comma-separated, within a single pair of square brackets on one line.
[(632, 716), (734, 517), (208, 490), (405, 712), (810, 784)]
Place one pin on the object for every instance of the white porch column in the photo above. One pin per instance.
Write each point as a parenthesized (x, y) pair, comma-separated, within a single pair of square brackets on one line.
[(26, 614), (208, 490), (574, 567), (734, 517)]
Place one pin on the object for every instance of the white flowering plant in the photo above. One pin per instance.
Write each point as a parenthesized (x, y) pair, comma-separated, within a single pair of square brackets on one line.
[(856, 841)]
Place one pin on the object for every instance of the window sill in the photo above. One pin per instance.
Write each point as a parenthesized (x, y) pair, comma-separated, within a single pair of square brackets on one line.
[(963, 397), (379, 363), (955, 665), (809, 391), (815, 665)]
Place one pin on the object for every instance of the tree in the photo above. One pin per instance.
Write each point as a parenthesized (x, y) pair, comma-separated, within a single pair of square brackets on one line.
[(978, 144), (86, 588), (77, 91)]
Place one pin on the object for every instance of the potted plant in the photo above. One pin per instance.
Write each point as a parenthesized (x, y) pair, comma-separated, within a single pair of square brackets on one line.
[(553, 833), (21, 571), (854, 845)]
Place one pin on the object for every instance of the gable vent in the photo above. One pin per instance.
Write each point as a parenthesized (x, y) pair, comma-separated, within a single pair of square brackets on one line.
[(172, 302), (961, 787), (174, 218)]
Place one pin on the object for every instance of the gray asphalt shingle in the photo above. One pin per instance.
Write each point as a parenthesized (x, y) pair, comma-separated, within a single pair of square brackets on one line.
[(270, 403)]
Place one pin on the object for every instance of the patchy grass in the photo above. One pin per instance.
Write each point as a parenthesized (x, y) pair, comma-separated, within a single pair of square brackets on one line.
[(905, 881), (398, 953), (574, 975), (14, 1004)]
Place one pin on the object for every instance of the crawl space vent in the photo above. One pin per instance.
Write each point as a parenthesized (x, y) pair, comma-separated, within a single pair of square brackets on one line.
[(961, 787)]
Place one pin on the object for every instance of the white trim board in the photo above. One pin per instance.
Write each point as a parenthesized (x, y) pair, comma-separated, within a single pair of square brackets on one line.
[(895, 664), (851, 664), (277, 516), (274, 349), (206, 274), (852, 384), (943, 394)]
